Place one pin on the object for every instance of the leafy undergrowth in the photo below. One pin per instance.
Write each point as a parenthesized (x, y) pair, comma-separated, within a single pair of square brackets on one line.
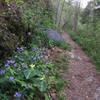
[(25, 75), (28, 74), (60, 60), (61, 44), (42, 40), (90, 44)]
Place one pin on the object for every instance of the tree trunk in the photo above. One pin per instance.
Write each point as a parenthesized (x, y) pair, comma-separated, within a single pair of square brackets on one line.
[(61, 12), (76, 15)]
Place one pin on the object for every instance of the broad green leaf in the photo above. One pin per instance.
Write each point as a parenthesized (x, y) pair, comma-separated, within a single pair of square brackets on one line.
[(43, 86), (27, 73), (46, 97)]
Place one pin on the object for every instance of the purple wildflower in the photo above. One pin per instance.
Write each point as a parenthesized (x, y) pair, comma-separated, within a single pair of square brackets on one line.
[(7, 65), (21, 49), (10, 61), (17, 94), (15, 65), (34, 49), (11, 78), (2, 72)]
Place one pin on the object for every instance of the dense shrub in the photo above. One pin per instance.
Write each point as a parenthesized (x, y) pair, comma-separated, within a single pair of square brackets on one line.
[(26, 75), (20, 19), (11, 28)]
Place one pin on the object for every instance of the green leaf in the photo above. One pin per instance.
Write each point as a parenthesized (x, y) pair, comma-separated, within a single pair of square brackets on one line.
[(43, 86), (3, 96), (26, 53), (46, 97), (3, 80), (27, 73)]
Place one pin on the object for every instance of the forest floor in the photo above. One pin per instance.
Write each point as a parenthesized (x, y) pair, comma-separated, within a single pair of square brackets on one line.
[(84, 80)]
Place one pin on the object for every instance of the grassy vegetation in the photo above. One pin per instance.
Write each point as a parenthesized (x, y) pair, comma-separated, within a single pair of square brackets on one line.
[(60, 44), (61, 61)]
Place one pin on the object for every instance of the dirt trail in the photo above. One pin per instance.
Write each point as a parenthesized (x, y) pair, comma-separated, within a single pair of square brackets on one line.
[(84, 81)]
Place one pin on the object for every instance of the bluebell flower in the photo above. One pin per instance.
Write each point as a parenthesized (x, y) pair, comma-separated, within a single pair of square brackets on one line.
[(21, 49), (2, 72), (15, 65), (17, 94), (6, 65), (11, 78), (10, 61), (34, 49)]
